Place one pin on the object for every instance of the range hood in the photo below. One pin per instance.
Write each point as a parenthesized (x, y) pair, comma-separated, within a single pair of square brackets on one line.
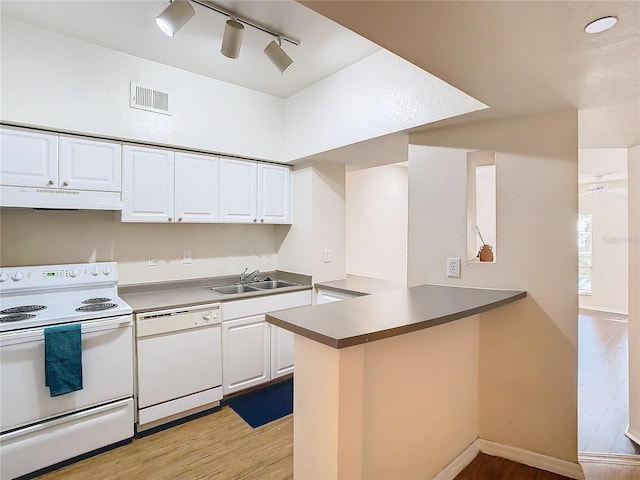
[(59, 198)]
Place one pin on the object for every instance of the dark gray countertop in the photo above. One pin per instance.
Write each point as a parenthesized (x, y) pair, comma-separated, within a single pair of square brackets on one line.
[(358, 285), (183, 293), (375, 317)]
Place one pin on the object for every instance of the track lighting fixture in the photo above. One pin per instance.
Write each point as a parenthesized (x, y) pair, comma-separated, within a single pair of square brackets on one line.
[(232, 38), (180, 11), (277, 55), (175, 16)]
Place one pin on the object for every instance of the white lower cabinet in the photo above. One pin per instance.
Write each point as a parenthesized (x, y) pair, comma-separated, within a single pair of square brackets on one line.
[(245, 353), (254, 351), (281, 352), (327, 296)]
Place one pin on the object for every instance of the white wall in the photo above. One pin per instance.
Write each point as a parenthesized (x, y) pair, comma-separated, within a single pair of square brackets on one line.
[(50, 80), (379, 95), (528, 353), (35, 237), (634, 293), (376, 209), (318, 222), (609, 273)]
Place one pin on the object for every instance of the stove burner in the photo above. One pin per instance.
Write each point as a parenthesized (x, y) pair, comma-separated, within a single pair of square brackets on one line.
[(16, 317), (97, 300), (96, 307), (24, 309)]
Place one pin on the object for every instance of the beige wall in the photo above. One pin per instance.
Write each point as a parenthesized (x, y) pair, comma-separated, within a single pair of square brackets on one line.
[(634, 292), (398, 408), (318, 209), (38, 237), (528, 354), (609, 277), (377, 203)]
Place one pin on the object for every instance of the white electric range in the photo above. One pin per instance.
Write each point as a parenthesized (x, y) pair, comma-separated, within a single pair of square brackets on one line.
[(40, 430)]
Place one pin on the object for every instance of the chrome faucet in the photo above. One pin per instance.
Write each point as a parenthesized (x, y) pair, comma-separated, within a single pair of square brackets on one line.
[(249, 277)]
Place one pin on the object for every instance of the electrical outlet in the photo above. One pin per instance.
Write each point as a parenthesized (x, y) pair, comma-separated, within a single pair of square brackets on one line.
[(327, 256), (152, 261), (453, 267), (186, 256)]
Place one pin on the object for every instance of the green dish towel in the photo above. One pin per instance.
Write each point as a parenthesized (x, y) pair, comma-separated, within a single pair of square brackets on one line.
[(63, 359)]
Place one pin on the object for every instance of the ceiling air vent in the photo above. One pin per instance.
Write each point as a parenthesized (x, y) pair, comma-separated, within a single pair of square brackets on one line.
[(146, 98)]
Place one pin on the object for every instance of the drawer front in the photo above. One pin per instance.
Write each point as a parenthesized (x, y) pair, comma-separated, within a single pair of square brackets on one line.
[(261, 305)]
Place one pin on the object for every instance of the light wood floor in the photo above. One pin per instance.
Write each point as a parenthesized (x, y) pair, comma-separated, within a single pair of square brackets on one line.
[(216, 446), (603, 391), (222, 446)]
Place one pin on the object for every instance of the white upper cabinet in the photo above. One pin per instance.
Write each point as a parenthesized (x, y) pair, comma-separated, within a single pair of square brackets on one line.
[(238, 191), (28, 158), (196, 188), (165, 186), (147, 184), (35, 159), (273, 194), (253, 193), (86, 164)]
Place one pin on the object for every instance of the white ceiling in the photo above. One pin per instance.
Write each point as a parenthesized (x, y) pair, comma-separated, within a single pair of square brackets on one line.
[(129, 26), (517, 57)]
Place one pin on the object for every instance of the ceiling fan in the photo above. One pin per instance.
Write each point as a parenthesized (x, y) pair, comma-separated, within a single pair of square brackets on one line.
[(602, 187)]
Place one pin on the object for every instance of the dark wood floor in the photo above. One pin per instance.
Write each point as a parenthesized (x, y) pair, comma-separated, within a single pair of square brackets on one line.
[(603, 393), (486, 467)]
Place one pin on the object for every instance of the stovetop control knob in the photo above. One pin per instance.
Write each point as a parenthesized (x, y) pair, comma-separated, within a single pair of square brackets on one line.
[(16, 277), (3, 277), (95, 271), (74, 273), (107, 270)]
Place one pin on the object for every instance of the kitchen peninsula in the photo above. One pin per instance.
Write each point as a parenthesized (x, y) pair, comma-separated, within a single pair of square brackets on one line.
[(379, 379)]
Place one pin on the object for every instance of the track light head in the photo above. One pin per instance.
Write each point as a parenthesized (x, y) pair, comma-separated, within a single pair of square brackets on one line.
[(175, 16), (278, 56), (232, 38)]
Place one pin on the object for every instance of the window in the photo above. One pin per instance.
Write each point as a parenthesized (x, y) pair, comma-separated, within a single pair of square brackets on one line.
[(481, 202), (584, 254)]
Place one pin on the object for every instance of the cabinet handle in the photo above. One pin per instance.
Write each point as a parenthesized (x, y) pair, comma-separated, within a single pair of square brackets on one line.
[(170, 219), (65, 184), (50, 182), (262, 220), (180, 219), (254, 220), (206, 318)]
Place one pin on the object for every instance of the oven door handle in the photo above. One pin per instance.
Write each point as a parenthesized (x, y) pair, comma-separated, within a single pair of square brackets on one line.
[(37, 334)]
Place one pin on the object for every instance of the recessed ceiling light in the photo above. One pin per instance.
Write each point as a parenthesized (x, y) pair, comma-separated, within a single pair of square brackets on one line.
[(601, 24)]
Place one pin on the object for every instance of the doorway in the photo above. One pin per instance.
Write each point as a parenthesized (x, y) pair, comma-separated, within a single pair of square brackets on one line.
[(603, 323)]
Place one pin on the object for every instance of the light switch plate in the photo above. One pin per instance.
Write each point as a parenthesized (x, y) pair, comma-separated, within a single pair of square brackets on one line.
[(186, 256), (453, 267)]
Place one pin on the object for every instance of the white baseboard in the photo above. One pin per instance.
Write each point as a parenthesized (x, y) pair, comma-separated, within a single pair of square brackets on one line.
[(458, 464), (533, 459), (526, 457), (604, 309), (609, 458), (633, 435)]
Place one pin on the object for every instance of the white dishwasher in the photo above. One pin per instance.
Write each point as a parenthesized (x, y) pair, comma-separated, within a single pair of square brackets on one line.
[(179, 360)]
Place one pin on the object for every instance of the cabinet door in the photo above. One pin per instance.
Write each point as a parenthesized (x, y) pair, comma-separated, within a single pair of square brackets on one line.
[(86, 164), (196, 188), (28, 158), (245, 353), (238, 191), (281, 352), (273, 194), (147, 184)]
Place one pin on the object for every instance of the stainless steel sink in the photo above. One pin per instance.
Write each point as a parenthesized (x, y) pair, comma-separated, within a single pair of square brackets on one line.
[(233, 289), (270, 284)]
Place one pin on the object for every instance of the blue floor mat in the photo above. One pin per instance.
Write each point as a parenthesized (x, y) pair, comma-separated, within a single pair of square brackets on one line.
[(265, 405)]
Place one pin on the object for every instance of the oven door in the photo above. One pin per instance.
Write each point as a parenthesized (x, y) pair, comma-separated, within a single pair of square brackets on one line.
[(107, 371)]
